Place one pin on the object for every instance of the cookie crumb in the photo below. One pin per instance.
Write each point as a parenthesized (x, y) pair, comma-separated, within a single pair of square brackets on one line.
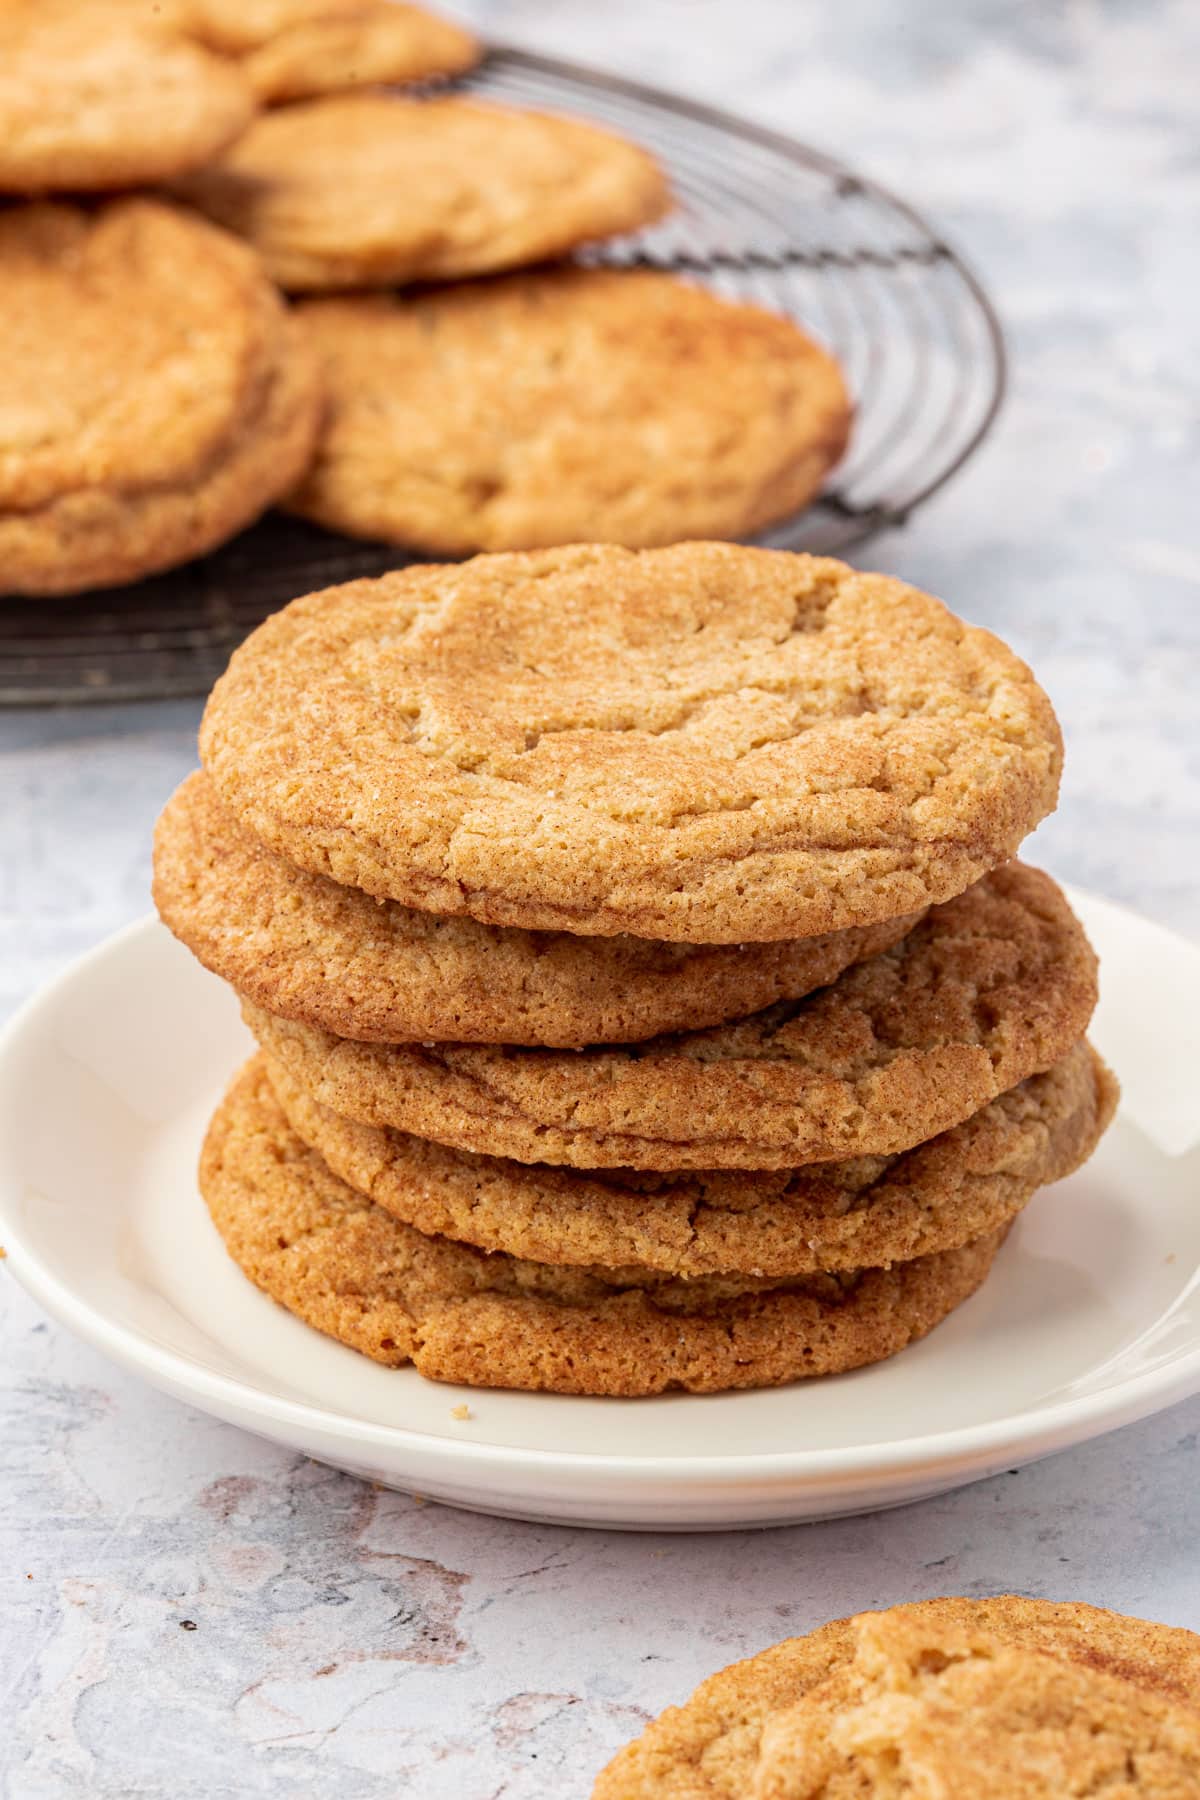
[(460, 1412)]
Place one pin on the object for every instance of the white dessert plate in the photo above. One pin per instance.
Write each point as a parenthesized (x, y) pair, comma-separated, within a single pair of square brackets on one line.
[(1090, 1319)]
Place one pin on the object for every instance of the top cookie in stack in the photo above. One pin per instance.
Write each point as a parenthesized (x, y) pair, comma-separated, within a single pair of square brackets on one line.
[(703, 744), (556, 864)]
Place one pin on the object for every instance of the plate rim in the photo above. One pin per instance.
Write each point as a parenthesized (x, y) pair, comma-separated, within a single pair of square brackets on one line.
[(1025, 1434)]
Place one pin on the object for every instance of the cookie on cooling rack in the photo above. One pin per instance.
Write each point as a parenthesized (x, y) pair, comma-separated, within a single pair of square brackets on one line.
[(156, 396), (705, 743), (101, 94), (990, 988), (572, 404), (868, 1212), (458, 1314), (998, 1699), (370, 190), (307, 948), (296, 49)]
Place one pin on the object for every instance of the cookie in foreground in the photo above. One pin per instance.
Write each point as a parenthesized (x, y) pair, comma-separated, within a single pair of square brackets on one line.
[(998, 1699), (550, 406), (706, 743), (458, 1314)]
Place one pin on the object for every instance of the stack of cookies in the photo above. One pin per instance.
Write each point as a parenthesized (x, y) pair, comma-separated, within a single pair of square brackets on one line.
[(162, 393), (998, 1699), (645, 995)]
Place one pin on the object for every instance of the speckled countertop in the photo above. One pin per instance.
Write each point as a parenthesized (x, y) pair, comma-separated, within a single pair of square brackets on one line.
[(187, 1611)]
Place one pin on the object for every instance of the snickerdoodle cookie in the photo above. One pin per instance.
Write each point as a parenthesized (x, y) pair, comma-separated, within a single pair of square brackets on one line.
[(999, 1699), (990, 988), (304, 947), (706, 743), (295, 49), (568, 404), (156, 398), (368, 190), (864, 1213), (458, 1314), (101, 94)]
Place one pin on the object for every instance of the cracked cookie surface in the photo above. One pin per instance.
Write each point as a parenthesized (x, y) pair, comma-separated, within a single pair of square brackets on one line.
[(990, 988), (865, 1213), (370, 190), (928, 1710), (996, 1699), (306, 948), (706, 743), (95, 94), (156, 398), (543, 408), (356, 1273)]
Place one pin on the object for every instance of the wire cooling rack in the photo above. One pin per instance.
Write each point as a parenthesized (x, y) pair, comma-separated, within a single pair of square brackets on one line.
[(760, 217)]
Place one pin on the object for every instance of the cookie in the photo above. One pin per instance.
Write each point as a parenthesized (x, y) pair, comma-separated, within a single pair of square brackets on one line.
[(540, 409), (705, 743), (356, 1273), (156, 398), (95, 94), (295, 49), (865, 1213), (990, 988), (917, 1678), (238, 27), (927, 1708), (371, 190), (306, 948), (383, 42)]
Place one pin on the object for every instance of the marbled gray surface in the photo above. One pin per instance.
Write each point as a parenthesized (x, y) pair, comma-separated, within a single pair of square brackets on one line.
[(349, 1642)]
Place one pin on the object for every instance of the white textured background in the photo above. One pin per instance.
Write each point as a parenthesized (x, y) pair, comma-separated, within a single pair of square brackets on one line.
[(353, 1643)]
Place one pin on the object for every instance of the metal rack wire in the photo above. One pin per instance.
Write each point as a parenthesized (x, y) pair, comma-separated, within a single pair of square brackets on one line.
[(760, 217)]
